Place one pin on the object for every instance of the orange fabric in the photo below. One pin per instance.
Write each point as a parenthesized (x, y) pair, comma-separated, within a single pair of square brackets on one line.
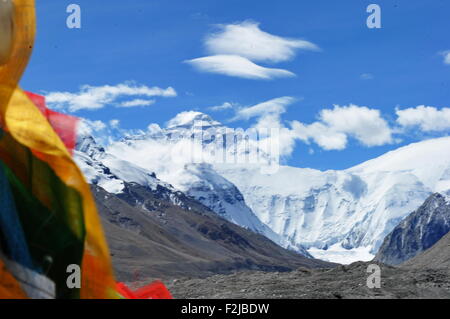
[(9, 287)]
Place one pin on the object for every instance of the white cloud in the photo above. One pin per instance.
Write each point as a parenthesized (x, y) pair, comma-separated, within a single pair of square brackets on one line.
[(335, 126), (247, 40), (323, 135), (332, 130), (137, 102), (428, 118), (364, 124), (96, 97), (87, 127), (447, 57), (114, 123), (236, 47), (104, 133), (222, 107), (234, 65), (268, 117)]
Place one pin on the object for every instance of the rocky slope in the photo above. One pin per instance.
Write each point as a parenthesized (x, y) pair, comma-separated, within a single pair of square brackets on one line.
[(436, 257), (418, 232), (150, 237)]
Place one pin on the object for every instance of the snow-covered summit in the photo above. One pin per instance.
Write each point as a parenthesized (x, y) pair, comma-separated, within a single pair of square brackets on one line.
[(111, 170), (429, 160), (190, 119)]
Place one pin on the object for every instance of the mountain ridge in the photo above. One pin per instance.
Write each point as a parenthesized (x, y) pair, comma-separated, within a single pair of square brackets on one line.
[(215, 192), (339, 215)]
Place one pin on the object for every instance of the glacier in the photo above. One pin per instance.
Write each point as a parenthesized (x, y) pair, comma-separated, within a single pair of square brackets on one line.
[(353, 208)]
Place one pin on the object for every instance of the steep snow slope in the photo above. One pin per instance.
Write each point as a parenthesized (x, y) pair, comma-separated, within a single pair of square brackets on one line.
[(109, 172), (352, 209)]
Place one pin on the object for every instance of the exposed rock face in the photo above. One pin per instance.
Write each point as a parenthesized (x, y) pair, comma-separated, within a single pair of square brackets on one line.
[(437, 257), (418, 232)]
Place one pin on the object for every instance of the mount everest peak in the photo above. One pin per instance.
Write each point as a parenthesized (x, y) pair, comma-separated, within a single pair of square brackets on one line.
[(189, 119), (200, 182)]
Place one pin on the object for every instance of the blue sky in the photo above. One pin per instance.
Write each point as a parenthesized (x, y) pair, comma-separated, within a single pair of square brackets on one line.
[(146, 41)]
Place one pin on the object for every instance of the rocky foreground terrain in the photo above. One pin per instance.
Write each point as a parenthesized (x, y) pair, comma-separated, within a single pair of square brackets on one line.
[(427, 275), (343, 282)]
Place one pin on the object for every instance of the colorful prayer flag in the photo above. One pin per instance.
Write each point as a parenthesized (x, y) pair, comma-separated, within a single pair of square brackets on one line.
[(53, 202)]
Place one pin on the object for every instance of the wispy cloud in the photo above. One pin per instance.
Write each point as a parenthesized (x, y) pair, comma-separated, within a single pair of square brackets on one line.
[(275, 106), (88, 127), (234, 65), (222, 107), (235, 48), (446, 55), (137, 102), (96, 97), (114, 123)]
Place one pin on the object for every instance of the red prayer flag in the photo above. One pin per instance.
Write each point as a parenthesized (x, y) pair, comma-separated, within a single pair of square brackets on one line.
[(64, 125), (156, 290)]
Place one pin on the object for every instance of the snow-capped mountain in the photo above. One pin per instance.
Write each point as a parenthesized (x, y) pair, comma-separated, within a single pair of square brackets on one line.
[(352, 209), (200, 182), (341, 216)]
